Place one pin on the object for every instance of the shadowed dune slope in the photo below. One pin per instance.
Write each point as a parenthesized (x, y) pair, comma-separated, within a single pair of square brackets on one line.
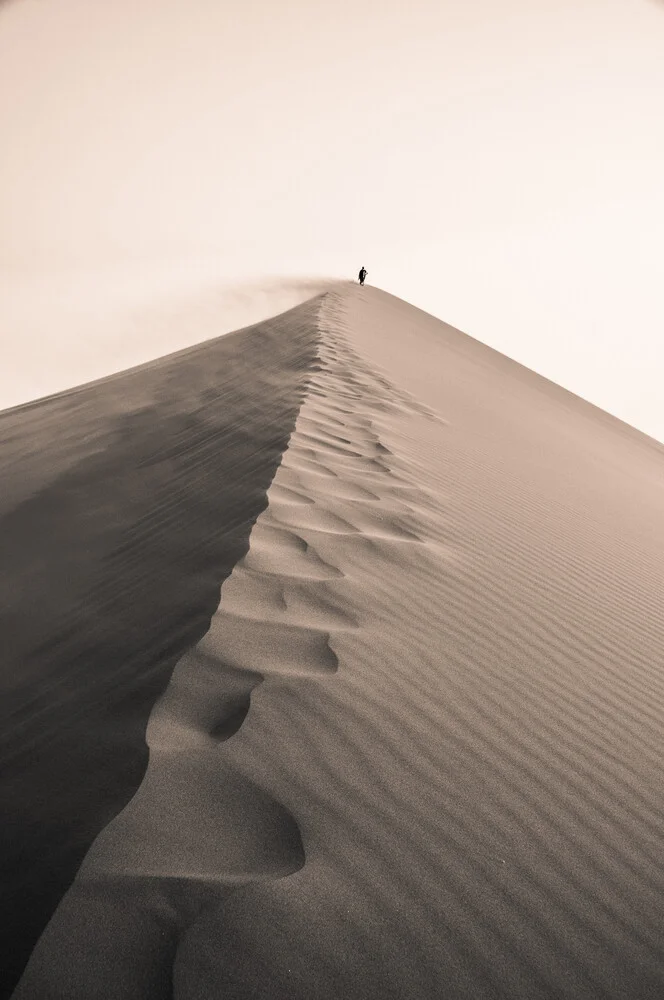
[(125, 504), (417, 752)]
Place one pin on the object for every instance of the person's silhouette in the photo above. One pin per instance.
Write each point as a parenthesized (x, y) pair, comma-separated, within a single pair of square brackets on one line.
[(362, 275)]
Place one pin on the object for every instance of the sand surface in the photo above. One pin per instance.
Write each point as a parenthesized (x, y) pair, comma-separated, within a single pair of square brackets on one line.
[(415, 748)]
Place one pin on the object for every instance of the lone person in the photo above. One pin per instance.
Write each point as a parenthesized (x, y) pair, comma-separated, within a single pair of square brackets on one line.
[(362, 275)]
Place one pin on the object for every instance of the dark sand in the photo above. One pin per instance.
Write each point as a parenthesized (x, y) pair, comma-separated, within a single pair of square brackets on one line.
[(126, 504), (415, 752)]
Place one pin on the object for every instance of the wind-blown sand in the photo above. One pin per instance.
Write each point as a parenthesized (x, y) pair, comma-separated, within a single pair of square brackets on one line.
[(415, 751)]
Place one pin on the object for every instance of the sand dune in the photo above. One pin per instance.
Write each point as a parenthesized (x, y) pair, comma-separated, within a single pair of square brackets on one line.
[(415, 750), (127, 504)]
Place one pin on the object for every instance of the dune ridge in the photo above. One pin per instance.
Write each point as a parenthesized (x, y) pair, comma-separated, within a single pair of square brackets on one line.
[(127, 503), (417, 752)]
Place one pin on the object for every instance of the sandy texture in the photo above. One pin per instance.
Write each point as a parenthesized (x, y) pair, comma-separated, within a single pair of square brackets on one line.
[(417, 752), (125, 505)]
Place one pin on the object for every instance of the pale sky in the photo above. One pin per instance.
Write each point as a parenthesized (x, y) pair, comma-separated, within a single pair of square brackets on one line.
[(498, 164)]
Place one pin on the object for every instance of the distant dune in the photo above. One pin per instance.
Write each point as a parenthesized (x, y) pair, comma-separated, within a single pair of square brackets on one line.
[(385, 608)]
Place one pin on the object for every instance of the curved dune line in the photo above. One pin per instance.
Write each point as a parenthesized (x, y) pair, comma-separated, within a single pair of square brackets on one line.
[(144, 489)]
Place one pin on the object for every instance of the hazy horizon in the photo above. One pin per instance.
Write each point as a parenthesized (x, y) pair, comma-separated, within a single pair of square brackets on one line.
[(500, 169)]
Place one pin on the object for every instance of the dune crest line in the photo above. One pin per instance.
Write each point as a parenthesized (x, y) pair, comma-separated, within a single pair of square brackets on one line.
[(127, 503), (279, 611)]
